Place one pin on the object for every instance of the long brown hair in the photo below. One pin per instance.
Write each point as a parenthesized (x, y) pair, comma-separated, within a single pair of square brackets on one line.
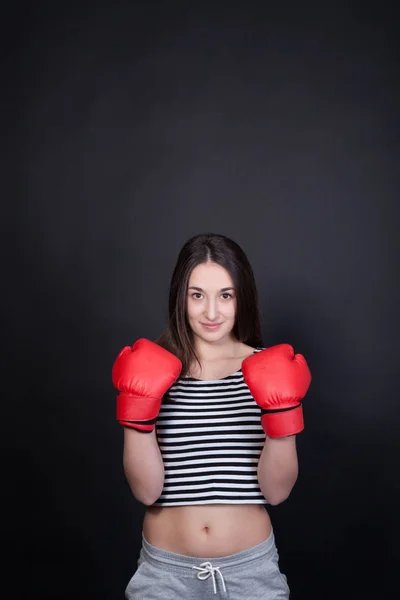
[(178, 336)]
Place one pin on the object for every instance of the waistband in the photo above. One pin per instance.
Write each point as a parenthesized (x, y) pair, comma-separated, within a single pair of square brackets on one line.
[(183, 565)]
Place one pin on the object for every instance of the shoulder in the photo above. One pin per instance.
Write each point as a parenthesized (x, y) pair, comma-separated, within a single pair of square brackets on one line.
[(244, 350), (249, 350)]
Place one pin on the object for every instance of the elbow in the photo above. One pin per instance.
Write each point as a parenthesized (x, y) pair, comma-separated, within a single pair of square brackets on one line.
[(150, 495), (275, 498), (145, 490), (146, 500), (144, 495), (277, 494)]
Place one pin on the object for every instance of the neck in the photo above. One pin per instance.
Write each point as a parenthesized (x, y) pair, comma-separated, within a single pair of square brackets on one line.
[(212, 350)]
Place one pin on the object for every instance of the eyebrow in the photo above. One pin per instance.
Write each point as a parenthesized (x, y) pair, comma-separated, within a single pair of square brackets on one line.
[(199, 289)]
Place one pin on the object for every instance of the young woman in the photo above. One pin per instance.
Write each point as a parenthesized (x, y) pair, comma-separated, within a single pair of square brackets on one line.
[(210, 420)]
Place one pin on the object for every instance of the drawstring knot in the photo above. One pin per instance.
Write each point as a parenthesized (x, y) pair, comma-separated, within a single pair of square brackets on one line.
[(206, 570)]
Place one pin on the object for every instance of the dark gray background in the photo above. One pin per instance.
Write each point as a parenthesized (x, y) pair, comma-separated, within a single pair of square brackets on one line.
[(130, 127)]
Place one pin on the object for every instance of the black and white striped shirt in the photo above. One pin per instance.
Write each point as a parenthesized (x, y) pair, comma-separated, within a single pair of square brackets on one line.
[(210, 438)]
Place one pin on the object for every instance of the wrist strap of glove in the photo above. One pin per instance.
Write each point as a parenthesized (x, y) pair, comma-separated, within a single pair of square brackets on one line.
[(265, 411), (141, 426), (282, 422), (138, 412)]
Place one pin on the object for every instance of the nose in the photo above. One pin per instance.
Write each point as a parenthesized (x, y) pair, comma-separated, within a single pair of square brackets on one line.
[(211, 310)]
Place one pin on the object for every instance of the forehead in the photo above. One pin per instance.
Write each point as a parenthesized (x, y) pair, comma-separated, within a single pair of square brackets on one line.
[(210, 276)]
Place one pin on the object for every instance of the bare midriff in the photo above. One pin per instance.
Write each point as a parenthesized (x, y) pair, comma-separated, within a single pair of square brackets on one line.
[(209, 531)]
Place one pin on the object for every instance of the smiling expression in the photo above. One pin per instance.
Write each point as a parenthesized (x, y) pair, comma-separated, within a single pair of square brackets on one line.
[(211, 302)]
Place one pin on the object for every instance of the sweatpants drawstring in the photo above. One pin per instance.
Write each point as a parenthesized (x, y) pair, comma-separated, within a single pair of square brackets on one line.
[(206, 570)]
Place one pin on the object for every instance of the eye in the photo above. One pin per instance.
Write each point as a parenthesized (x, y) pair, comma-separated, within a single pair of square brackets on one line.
[(226, 296), (196, 295)]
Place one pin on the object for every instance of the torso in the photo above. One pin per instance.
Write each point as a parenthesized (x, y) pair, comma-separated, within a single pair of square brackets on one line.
[(206, 531), (209, 530)]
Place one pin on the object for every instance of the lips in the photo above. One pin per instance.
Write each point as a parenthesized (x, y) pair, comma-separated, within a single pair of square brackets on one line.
[(211, 325)]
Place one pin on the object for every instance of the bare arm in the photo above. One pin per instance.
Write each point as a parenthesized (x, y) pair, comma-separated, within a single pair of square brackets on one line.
[(278, 468), (143, 465)]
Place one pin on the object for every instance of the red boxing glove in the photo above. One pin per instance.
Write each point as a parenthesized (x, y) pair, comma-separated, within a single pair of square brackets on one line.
[(278, 379), (142, 374)]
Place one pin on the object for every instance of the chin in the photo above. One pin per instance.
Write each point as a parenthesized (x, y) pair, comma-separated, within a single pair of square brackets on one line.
[(213, 336)]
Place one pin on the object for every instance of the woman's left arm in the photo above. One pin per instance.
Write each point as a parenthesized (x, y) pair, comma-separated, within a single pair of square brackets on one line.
[(278, 380), (278, 468)]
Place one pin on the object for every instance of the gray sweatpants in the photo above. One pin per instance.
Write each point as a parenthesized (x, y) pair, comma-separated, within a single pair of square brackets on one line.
[(252, 574)]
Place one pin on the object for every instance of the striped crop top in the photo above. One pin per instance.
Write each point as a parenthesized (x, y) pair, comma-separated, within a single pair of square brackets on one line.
[(210, 438)]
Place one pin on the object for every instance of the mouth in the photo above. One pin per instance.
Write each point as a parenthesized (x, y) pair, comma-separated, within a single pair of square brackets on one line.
[(211, 326)]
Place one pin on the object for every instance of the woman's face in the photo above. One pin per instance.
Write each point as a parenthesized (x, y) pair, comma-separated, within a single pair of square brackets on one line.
[(211, 302)]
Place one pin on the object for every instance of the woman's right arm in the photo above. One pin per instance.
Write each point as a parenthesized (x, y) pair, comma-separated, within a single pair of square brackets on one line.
[(143, 465), (142, 374)]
